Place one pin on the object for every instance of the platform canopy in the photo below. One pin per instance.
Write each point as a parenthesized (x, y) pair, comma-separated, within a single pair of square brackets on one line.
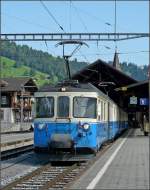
[(105, 77), (138, 92)]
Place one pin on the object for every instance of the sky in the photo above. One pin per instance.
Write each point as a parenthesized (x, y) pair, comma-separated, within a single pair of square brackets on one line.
[(82, 16)]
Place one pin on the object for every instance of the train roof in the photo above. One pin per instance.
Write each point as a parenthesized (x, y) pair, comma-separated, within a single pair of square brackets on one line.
[(73, 87), (76, 87)]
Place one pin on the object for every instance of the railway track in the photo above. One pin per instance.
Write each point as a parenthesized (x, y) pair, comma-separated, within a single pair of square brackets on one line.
[(54, 175), (48, 177), (15, 152)]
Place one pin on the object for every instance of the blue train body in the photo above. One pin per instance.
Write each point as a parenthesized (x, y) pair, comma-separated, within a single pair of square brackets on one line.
[(78, 117)]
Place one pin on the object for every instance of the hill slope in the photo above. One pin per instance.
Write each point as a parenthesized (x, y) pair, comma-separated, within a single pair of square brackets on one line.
[(9, 70), (38, 60), (22, 60)]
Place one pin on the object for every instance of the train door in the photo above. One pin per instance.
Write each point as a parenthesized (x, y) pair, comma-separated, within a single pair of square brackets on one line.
[(108, 120)]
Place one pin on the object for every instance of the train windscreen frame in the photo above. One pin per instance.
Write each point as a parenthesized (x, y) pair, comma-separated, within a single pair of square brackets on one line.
[(45, 107), (84, 107), (63, 103)]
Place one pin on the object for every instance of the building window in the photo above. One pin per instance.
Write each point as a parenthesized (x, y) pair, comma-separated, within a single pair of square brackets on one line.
[(4, 100)]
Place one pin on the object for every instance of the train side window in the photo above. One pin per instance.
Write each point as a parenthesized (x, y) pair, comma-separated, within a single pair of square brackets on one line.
[(102, 111), (114, 114), (63, 106), (99, 112)]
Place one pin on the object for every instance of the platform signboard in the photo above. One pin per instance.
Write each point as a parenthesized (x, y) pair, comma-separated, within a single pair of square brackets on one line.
[(143, 101), (133, 100)]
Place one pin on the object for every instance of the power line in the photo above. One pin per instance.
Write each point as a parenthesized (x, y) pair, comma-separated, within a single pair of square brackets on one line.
[(82, 22), (85, 27), (115, 25), (25, 21), (70, 16), (51, 15), (94, 17), (135, 52)]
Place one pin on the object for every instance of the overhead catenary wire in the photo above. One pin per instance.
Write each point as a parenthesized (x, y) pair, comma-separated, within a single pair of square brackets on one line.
[(80, 19), (115, 25), (88, 54), (70, 18), (51, 15), (94, 17), (85, 28), (135, 52), (25, 21)]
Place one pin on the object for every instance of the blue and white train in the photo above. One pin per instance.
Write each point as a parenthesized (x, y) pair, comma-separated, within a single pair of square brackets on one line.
[(74, 116)]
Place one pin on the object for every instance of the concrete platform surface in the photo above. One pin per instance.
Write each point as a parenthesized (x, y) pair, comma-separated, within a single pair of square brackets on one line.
[(124, 166)]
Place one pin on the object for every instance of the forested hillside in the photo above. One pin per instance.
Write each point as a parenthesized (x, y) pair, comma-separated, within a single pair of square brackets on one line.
[(37, 60), (22, 60), (136, 72)]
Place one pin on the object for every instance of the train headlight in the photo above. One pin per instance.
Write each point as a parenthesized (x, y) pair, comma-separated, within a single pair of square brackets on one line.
[(41, 126), (86, 126)]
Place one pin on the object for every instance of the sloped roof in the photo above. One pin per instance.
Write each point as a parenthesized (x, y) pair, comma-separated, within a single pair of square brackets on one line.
[(140, 89), (16, 84), (3, 83), (102, 71)]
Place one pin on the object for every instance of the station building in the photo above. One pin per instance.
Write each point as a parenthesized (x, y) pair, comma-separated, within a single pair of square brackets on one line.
[(16, 100)]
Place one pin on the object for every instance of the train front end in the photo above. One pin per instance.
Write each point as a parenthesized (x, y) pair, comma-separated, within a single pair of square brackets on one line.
[(66, 119)]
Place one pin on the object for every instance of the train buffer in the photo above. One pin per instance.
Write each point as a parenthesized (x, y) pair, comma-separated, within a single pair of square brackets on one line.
[(125, 165)]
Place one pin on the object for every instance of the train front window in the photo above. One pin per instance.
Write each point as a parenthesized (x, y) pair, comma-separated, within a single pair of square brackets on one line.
[(63, 106), (44, 107), (84, 107)]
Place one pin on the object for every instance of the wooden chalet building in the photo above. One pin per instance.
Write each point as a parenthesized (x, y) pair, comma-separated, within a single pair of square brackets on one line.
[(16, 99)]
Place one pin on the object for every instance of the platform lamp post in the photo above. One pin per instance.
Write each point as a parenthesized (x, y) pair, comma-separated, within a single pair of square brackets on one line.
[(107, 86)]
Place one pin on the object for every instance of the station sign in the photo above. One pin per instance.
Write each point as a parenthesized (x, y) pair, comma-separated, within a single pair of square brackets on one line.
[(133, 100), (143, 101)]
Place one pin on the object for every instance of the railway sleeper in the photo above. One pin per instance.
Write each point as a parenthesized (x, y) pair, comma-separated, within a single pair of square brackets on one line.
[(28, 185), (23, 188), (34, 182), (45, 178)]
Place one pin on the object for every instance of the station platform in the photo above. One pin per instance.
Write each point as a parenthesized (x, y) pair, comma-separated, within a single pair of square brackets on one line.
[(5, 138), (15, 140), (125, 165)]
